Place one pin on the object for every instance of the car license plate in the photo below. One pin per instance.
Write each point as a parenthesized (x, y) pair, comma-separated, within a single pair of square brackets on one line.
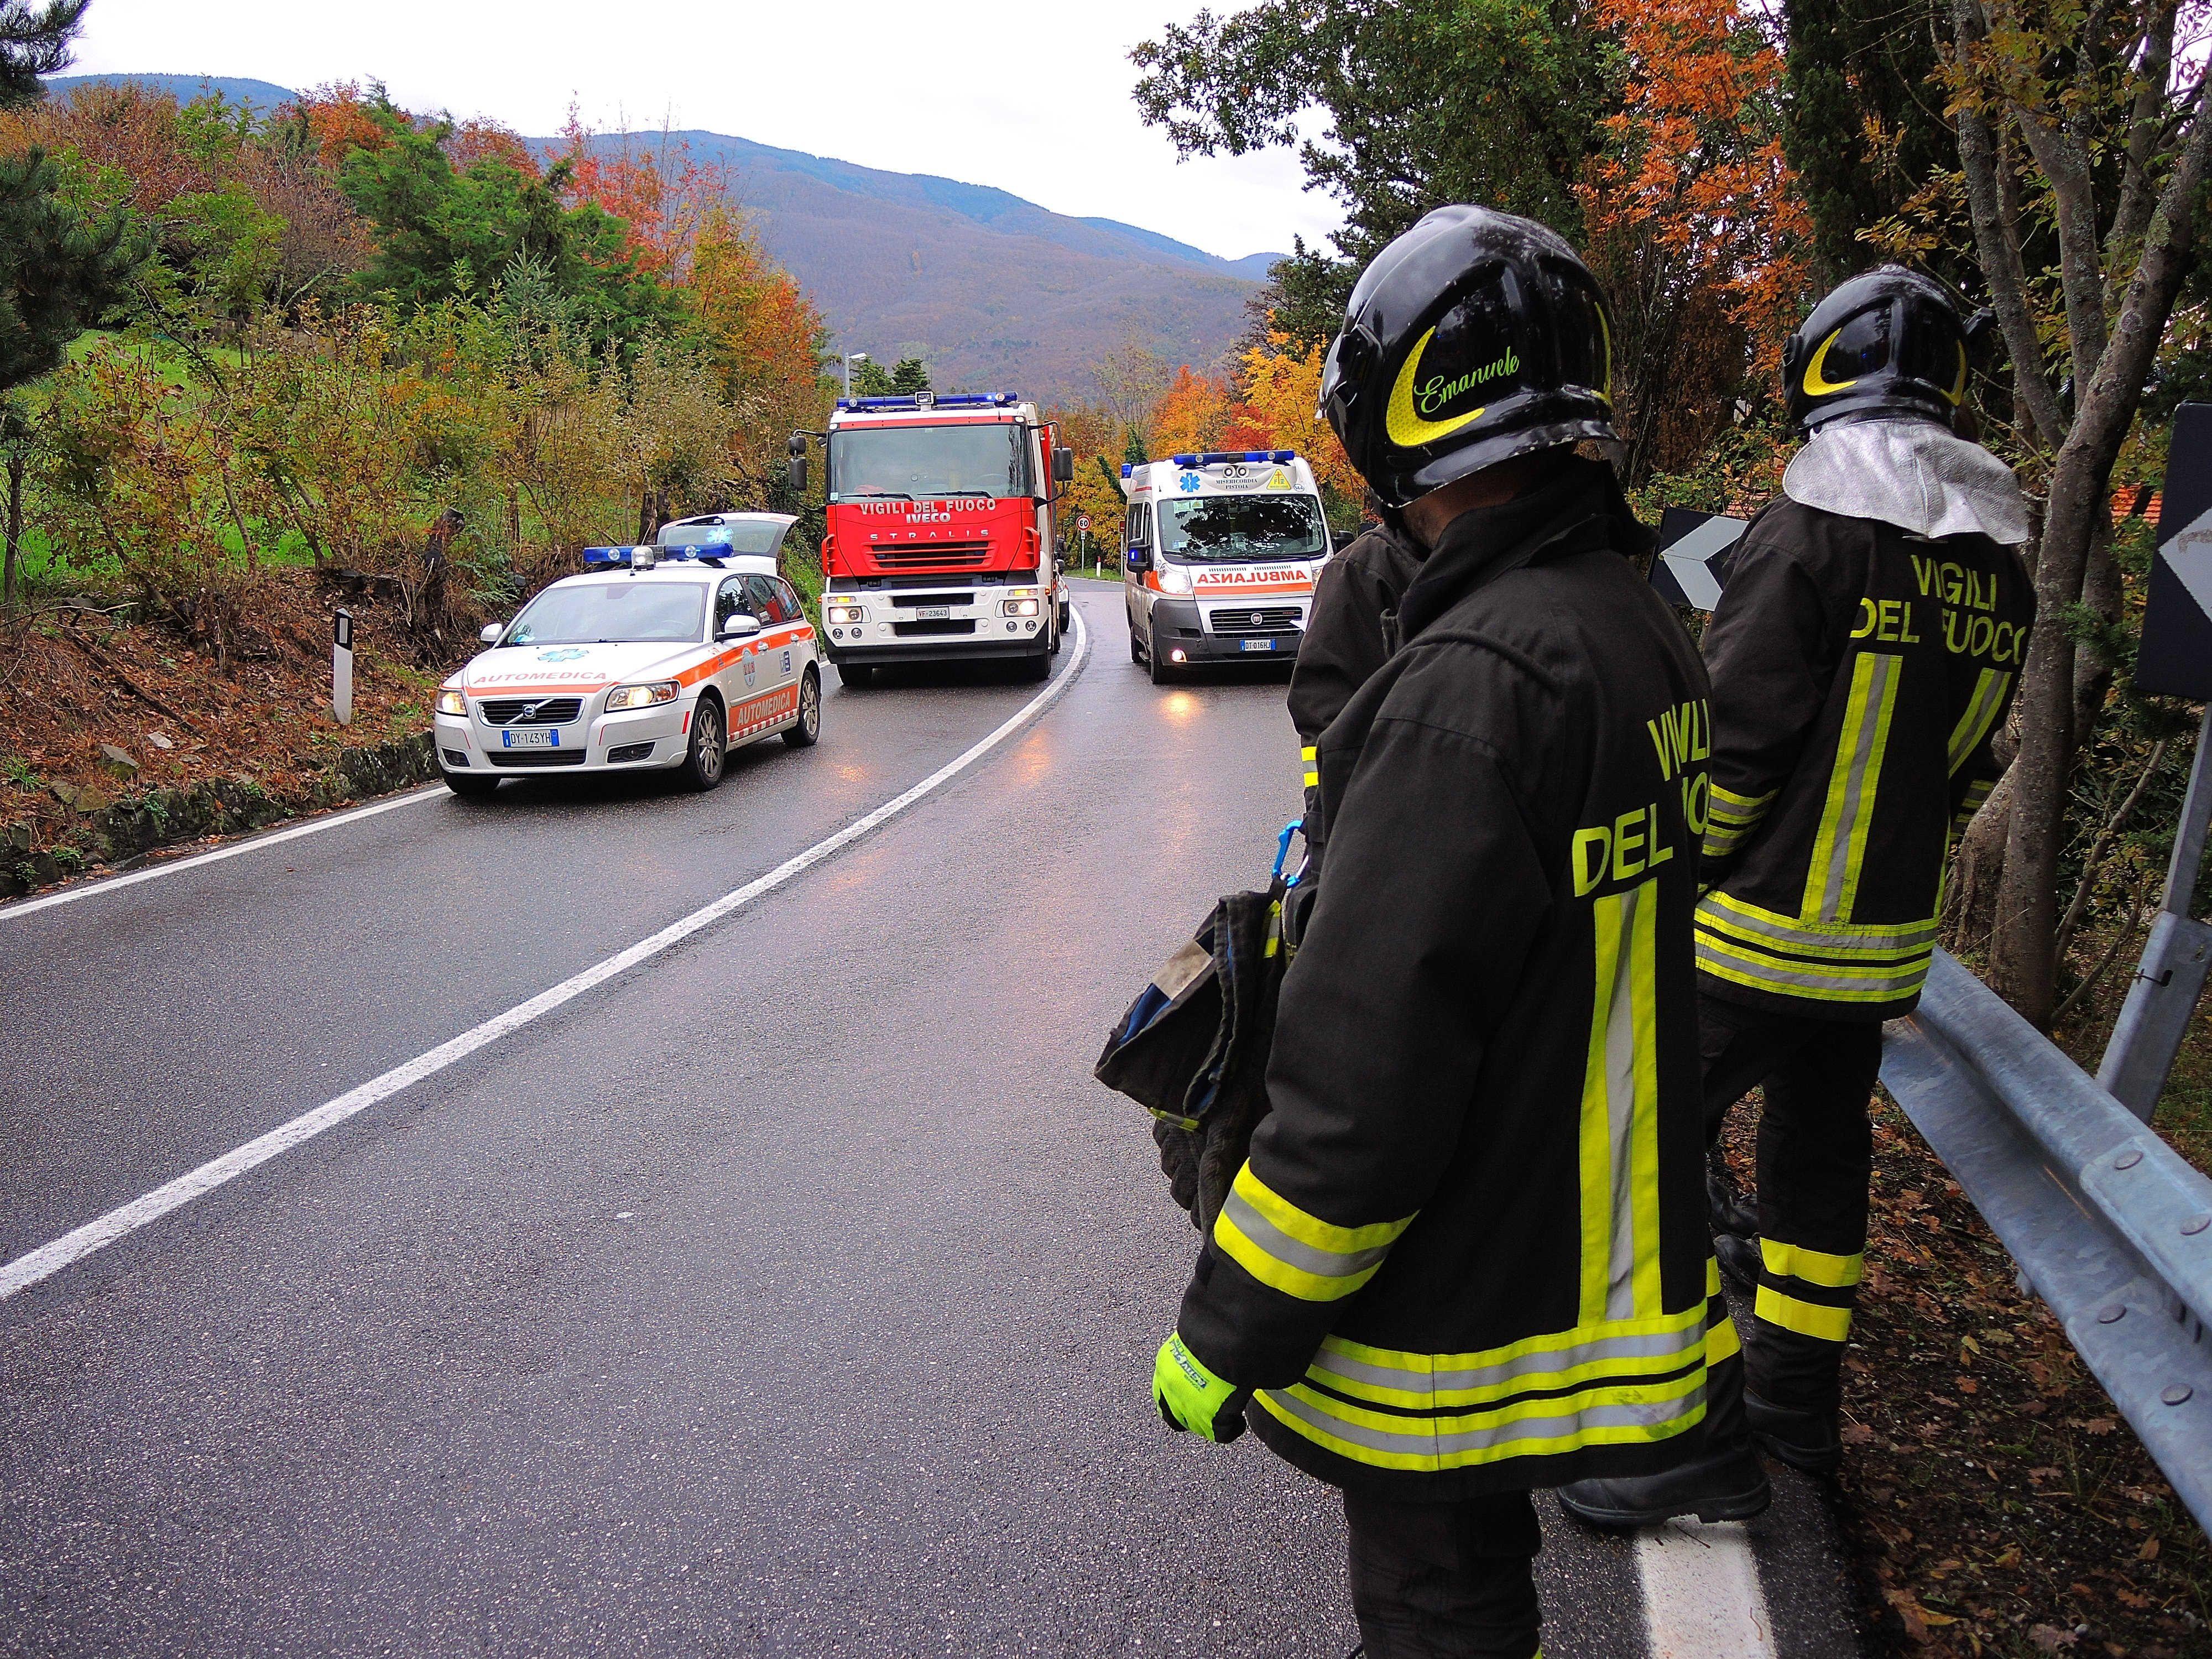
[(531, 736), (933, 613), (1259, 645)]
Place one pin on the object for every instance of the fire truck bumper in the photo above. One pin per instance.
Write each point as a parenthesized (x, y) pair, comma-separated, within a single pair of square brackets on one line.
[(962, 647)]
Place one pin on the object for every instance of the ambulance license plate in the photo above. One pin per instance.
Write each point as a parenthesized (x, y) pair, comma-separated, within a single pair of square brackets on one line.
[(531, 736), (1258, 645), (933, 612)]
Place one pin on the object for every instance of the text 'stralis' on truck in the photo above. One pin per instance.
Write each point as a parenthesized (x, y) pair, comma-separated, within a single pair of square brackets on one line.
[(1220, 553), (940, 543)]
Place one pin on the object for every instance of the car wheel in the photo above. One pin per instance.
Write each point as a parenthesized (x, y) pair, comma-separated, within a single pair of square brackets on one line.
[(702, 762), (469, 787), (1161, 672), (803, 732), (1136, 651), (855, 674)]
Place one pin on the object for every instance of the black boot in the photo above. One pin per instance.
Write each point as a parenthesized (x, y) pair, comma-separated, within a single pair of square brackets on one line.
[(1725, 1480), (1731, 1213), (1739, 1259), (1805, 1440)]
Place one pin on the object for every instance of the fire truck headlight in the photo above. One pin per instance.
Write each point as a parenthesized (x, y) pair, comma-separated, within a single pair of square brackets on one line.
[(847, 613), (1021, 607)]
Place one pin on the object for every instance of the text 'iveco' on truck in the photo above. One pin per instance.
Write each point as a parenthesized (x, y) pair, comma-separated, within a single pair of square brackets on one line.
[(940, 543)]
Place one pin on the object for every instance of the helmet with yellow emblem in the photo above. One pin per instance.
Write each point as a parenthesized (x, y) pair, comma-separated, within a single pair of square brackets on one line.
[(1474, 337), (1888, 344)]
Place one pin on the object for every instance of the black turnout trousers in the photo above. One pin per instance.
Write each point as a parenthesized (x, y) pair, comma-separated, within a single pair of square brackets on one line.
[(1815, 1156), (1444, 1580)]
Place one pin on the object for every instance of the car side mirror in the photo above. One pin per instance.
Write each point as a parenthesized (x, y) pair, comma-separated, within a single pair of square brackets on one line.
[(739, 627), (1063, 464), (490, 632), (1137, 556)]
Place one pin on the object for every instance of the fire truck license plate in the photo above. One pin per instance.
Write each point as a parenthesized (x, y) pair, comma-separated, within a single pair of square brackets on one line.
[(933, 613), (1259, 645)]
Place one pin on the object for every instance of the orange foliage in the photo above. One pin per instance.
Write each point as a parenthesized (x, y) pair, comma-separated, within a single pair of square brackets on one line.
[(659, 192), (478, 140), (1692, 170), (126, 127), (1193, 413), (339, 120), (1280, 410), (763, 333)]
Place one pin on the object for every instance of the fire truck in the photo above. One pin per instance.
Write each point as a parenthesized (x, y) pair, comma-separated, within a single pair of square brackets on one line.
[(940, 543)]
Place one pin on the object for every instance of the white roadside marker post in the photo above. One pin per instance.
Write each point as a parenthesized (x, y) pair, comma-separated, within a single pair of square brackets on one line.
[(342, 665)]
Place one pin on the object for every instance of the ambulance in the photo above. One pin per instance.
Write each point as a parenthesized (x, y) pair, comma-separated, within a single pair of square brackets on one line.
[(1220, 552)]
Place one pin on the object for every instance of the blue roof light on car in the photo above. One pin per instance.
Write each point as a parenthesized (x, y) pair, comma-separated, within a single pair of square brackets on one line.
[(1127, 469), (706, 552), (1284, 455), (1184, 460)]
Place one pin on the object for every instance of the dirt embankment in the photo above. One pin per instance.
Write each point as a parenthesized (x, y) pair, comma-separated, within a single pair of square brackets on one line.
[(119, 736)]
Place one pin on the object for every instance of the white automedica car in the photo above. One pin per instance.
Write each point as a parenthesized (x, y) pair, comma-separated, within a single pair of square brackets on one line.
[(661, 656)]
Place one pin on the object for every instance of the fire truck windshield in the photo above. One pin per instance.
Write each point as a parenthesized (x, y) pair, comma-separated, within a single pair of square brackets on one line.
[(923, 462), (1241, 529)]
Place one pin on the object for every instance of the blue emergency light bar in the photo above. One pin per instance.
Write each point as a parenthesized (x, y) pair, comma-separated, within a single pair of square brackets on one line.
[(707, 553), (1215, 457), (936, 400)]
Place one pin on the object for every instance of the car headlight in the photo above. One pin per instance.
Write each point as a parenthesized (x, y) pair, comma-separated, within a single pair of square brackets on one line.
[(1020, 607), (1173, 579), (847, 613), (642, 696), (451, 701)]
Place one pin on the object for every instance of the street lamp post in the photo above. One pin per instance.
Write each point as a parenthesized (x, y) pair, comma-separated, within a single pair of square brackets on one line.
[(851, 358)]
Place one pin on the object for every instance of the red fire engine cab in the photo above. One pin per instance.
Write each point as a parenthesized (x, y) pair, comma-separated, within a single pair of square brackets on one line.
[(940, 543)]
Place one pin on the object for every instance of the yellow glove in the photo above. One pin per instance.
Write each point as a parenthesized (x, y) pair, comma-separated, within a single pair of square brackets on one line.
[(1191, 1397)]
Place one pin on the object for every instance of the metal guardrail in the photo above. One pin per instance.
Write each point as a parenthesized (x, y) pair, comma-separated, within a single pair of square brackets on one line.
[(2106, 1223)]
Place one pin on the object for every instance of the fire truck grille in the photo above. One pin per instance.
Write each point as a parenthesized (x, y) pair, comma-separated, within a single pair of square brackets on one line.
[(934, 556), (530, 711), (1260, 619), (911, 630)]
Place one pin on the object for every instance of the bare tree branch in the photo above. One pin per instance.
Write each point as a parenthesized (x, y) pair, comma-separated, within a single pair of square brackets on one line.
[(2147, 123)]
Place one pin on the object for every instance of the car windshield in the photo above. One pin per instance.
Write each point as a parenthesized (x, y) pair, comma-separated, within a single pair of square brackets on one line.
[(1242, 529), (755, 536), (597, 613), (926, 462)]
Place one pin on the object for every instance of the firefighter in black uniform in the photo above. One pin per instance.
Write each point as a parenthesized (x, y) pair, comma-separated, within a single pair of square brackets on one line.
[(1468, 1254), (1864, 652), (1351, 629)]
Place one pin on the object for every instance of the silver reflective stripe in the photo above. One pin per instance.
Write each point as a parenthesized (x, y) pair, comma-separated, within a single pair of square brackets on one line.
[(1872, 986), (1321, 1264), (1723, 919), (1872, 728), (1981, 713), (1421, 1437), (1682, 1344)]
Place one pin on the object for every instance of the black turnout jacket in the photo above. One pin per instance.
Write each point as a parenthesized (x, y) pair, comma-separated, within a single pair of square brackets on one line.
[(1859, 673), (1468, 1250)]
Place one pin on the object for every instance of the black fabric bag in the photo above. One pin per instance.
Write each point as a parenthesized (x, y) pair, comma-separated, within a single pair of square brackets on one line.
[(1193, 1047)]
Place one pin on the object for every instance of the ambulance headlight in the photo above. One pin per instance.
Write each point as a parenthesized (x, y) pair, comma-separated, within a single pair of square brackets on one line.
[(846, 613), (1020, 607), (451, 701), (642, 696), (1174, 578)]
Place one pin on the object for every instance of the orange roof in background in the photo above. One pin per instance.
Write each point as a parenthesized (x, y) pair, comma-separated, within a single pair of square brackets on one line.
[(2136, 500)]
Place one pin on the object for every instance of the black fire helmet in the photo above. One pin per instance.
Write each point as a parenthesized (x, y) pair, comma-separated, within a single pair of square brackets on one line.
[(1474, 337), (1887, 344)]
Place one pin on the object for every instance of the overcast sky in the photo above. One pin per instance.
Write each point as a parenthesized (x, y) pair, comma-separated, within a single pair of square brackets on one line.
[(1032, 97)]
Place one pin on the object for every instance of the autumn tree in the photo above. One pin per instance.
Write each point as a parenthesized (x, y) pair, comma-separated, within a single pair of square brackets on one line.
[(1192, 413), (1278, 408), (2089, 126), (1424, 101)]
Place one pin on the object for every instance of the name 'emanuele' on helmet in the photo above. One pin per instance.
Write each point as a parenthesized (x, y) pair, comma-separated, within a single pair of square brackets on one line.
[(1888, 344), (1474, 337)]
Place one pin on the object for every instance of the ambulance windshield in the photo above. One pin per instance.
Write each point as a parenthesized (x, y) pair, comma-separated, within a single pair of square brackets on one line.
[(1242, 529), (927, 463)]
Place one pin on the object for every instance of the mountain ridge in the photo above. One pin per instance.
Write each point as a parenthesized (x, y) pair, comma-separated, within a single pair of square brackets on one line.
[(996, 290)]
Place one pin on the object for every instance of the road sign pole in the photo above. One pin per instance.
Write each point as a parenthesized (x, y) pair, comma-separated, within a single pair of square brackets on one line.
[(2162, 1000), (342, 665)]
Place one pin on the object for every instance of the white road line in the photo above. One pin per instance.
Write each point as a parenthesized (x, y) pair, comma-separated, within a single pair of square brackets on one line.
[(316, 826), (75, 1245), (1702, 1597)]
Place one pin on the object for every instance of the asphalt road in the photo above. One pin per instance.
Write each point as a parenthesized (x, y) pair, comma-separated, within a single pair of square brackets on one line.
[(793, 1293)]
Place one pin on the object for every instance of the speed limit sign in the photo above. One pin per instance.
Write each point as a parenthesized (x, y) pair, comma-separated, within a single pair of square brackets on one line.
[(1083, 521)]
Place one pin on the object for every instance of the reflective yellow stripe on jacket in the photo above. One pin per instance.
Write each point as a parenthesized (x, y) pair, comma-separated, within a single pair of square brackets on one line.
[(1831, 962), (1808, 1292), (1294, 1251), (1731, 818), (1309, 757)]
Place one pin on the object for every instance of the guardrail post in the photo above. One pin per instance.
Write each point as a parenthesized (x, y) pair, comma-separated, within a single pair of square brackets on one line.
[(2162, 1000)]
